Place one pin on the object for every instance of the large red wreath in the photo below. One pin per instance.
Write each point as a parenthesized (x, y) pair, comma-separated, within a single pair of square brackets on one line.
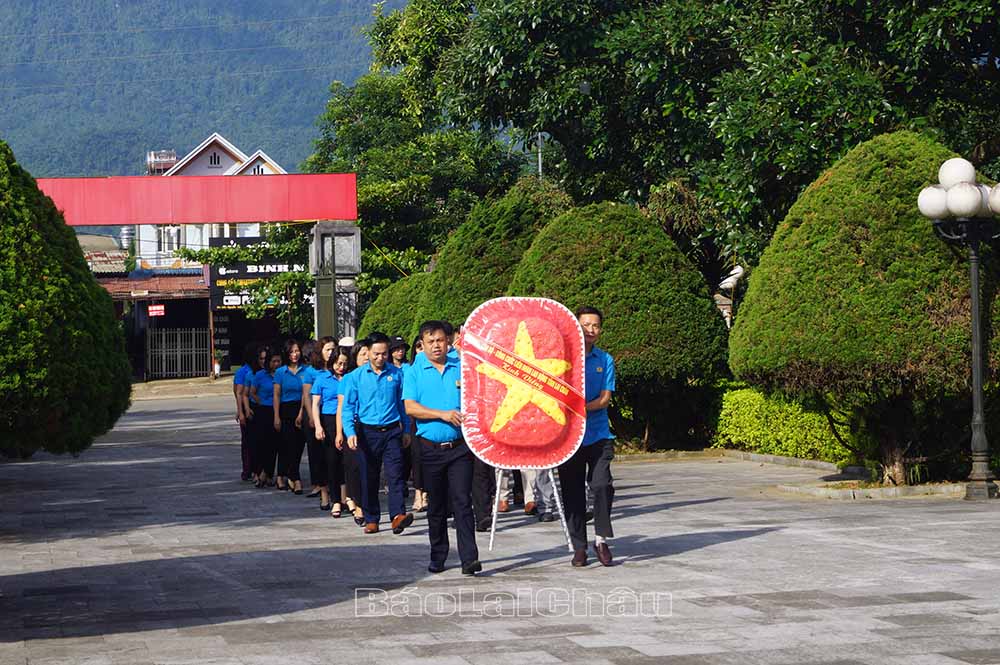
[(523, 383)]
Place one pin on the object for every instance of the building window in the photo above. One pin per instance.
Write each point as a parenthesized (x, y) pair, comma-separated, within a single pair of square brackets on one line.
[(168, 239), (258, 169), (214, 160)]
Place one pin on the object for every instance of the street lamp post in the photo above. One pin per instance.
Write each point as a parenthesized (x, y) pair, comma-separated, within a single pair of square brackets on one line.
[(962, 212)]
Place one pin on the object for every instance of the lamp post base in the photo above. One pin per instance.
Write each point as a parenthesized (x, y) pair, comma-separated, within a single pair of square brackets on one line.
[(980, 490)]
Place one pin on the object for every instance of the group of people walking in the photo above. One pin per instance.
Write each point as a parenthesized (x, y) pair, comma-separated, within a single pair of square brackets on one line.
[(364, 408)]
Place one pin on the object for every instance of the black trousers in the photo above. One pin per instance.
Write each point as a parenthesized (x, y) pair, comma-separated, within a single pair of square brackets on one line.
[(332, 467), (317, 457), (589, 465), (484, 487), (448, 481), (245, 450), (417, 474), (292, 441), (265, 439)]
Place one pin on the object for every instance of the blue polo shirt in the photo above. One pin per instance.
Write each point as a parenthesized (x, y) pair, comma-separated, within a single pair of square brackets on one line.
[(240, 378), (327, 386), (435, 390), (310, 374), (600, 375), (375, 399), (291, 383), (264, 383)]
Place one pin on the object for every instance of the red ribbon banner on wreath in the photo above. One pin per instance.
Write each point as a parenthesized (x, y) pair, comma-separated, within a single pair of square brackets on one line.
[(523, 383)]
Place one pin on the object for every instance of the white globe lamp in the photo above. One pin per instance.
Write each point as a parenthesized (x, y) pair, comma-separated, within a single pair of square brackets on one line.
[(933, 202), (964, 200), (956, 170)]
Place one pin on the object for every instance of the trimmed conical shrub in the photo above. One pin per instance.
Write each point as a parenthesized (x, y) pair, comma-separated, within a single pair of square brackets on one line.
[(394, 312), (660, 323), (858, 306), (479, 259), (64, 374)]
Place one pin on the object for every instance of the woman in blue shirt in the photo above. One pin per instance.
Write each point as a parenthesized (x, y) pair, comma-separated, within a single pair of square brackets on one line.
[(261, 387), (324, 408), (239, 387), (288, 415), (314, 357)]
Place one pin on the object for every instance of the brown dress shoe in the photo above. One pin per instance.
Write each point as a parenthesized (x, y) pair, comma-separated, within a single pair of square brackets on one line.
[(603, 553), (400, 522), (530, 508), (580, 558), (503, 507), (371, 527)]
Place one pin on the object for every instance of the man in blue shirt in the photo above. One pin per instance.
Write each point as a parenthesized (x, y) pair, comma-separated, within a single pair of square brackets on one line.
[(375, 395), (432, 395), (592, 462)]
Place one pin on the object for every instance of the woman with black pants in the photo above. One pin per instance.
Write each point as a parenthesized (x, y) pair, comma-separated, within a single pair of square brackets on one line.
[(324, 408), (315, 356), (352, 469), (288, 415), (265, 446)]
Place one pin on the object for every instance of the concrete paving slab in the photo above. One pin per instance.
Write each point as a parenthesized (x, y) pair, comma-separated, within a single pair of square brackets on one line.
[(148, 549)]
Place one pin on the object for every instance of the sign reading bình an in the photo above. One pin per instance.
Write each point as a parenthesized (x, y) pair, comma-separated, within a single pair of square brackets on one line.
[(523, 400)]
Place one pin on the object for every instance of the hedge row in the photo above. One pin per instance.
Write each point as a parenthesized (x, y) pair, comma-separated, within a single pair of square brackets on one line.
[(752, 421)]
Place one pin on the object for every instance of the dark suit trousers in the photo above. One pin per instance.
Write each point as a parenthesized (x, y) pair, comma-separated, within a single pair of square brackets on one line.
[(590, 464), (374, 449), (448, 481), (484, 487)]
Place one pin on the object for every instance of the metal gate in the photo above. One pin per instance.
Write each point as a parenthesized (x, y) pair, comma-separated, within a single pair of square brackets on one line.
[(175, 353)]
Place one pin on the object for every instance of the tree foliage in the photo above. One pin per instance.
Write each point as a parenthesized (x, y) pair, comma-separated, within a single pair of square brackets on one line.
[(416, 180), (480, 257), (660, 324), (748, 99), (64, 374), (853, 292), (393, 312)]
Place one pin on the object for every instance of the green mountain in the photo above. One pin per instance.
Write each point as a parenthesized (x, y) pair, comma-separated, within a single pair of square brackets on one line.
[(88, 86)]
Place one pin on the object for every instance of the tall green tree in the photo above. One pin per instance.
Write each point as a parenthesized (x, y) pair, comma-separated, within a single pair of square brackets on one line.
[(747, 99), (416, 180)]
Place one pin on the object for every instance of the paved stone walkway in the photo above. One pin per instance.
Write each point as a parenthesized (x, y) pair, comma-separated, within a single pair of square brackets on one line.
[(148, 549)]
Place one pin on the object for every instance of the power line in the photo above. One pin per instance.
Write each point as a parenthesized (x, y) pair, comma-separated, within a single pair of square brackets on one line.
[(266, 72), (203, 26)]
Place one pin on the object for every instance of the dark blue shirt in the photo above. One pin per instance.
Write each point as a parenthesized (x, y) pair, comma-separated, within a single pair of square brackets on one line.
[(600, 376), (375, 399), (435, 389), (290, 383), (264, 383)]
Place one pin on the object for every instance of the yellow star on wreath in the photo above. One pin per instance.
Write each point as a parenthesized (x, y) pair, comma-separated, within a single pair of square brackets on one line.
[(519, 394)]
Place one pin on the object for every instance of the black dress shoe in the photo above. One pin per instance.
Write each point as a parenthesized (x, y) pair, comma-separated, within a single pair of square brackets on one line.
[(546, 517), (589, 516), (484, 524), (580, 558), (296, 491), (472, 568), (435, 568), (325, 506), (313, 494)]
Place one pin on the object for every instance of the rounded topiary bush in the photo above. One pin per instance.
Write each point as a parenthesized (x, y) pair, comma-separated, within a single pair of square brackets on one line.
[(660, 323), (394, 312), (64, 374), (479, 259), (857, 303)]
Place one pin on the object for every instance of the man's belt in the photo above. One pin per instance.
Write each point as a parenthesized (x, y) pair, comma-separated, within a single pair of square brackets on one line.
[(443, 444), (381, 428)]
